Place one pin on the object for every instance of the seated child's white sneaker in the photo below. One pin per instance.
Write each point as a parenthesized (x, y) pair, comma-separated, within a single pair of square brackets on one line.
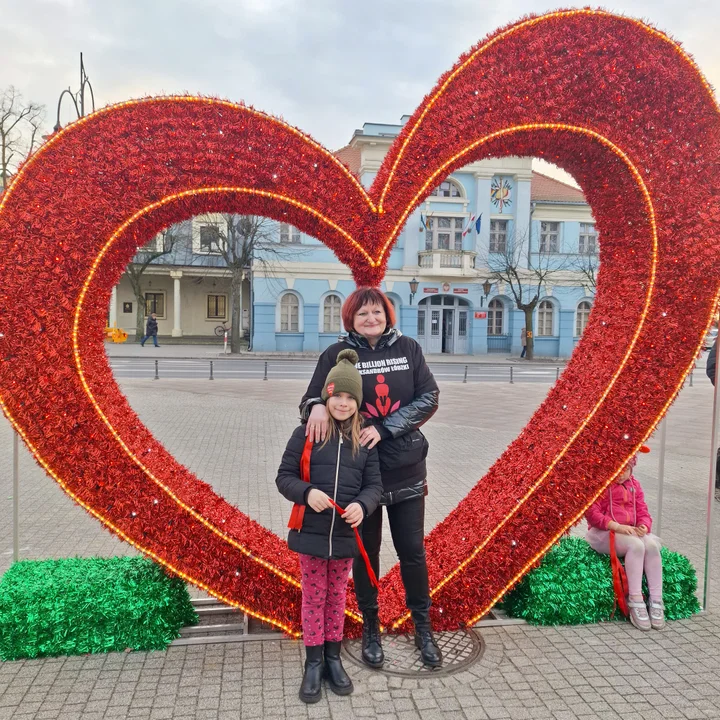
[(657, 614), (639, 615)]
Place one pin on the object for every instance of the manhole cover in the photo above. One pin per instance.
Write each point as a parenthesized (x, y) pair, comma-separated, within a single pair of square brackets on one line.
[(460, 649)]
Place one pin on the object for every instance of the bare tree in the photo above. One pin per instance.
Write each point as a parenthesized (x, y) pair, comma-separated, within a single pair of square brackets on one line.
[(20, 125), (587, 264), (525, 273), (162, 244), (246, 241)]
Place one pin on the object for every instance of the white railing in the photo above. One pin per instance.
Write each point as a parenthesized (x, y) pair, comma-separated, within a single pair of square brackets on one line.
[(444, 260)]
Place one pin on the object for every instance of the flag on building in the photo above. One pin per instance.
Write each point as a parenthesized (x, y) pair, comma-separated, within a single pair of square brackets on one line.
[(423, 224), (477, 224), (469, 225)]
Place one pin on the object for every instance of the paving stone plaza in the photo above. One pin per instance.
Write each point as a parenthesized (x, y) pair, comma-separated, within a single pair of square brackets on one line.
[(232, 433)]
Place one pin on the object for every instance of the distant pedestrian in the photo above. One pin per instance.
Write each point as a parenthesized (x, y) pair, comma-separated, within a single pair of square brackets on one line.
[(523, 342), (619, 522), (335, 485), (151, 329)]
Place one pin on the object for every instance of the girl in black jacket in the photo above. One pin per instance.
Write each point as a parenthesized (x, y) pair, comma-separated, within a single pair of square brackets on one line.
[(342, 472)]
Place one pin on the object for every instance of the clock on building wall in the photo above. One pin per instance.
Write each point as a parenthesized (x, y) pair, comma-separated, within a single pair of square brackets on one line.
[(127, 307), (500, 191)]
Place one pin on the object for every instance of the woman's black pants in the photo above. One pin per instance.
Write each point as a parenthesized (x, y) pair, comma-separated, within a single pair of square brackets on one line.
[(407, 527)]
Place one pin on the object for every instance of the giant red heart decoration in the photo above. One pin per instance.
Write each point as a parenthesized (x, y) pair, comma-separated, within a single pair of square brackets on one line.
[(613, 101)]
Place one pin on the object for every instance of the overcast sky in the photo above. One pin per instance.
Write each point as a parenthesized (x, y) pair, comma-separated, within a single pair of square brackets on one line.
[(326, 66)]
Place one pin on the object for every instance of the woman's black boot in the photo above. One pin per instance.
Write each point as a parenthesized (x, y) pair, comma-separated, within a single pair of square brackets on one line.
[(335, 674), (311, 686), (429, 650), (372, 652)]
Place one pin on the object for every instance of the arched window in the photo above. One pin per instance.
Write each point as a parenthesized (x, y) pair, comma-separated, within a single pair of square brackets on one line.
[(331, 314), (447, 189), (545, 318), (289, 313), (582, 316), (496, 310)]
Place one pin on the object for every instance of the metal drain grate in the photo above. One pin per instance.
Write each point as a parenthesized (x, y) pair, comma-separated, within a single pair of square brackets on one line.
[(460, 649)]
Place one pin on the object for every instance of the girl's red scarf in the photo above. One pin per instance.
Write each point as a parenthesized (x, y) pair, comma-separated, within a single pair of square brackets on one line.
[(298, 512)]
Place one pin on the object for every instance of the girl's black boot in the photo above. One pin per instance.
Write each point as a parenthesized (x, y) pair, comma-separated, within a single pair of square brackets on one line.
[(338, 680), (311, 686)]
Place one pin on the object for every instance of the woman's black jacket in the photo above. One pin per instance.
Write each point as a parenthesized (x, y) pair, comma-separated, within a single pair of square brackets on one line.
[(399, 395)]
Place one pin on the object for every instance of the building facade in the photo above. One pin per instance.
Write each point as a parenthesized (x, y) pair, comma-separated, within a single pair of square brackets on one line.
[(477, 220), (449, 246)]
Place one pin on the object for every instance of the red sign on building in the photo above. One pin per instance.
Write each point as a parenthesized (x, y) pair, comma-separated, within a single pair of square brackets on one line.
[(430, 290), (480, 315), (460, 291)]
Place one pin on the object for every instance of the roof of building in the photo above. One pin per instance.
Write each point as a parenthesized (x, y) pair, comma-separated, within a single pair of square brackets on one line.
[(547, 189), (543, 188), (351, 156)]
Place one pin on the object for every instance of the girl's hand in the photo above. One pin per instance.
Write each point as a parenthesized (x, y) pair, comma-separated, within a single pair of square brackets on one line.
[(317, 424), (641, 530), (353, 514), (369, 437), (318, 500), (626, 530)]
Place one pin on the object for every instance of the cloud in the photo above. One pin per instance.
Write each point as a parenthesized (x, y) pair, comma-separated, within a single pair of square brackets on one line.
[(325, 66)]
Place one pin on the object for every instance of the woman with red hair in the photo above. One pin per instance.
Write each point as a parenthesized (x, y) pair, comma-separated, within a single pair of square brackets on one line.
[(399, 395)]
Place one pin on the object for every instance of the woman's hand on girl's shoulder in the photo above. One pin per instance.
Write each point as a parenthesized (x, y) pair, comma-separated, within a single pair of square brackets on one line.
[(317, 425), (369, 437)]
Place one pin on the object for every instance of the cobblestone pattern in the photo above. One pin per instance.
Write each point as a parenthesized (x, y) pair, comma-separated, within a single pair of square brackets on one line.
[(232, 434)]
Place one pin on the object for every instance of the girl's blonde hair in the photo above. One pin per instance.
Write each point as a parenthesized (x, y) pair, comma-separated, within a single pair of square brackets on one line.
[(349, 428)]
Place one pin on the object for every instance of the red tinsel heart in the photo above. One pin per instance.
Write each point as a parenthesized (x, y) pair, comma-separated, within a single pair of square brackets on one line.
[(613, 101)]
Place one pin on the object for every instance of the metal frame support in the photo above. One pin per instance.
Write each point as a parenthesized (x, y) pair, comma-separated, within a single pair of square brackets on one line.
[(657, 525), (711, 493), (16, 497)]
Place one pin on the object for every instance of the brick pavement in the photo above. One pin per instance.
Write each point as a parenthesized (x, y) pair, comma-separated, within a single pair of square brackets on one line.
[(231, 433)]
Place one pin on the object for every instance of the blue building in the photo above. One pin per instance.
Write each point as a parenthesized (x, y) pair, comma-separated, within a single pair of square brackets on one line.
[(443, 273), (448, 257)]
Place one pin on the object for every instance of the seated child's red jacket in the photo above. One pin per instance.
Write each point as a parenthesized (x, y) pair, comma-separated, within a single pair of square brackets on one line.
[(622, 502)]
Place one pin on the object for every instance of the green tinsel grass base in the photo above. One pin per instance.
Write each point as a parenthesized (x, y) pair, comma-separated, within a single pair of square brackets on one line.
[(89, 605), (573, 585)]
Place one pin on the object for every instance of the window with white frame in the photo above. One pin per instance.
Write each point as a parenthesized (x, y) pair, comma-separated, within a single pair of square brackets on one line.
[(549, 237), (498, 236), (289, 234), (447, 189), (289, 313), (587, 244), (496, 310), (209, 238), (331, 314), (421, 322), (444, 233), (545, 319), (582, 315)]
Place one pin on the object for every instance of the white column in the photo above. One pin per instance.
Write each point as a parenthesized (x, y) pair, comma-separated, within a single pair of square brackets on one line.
[(176, 275), (112, 319)]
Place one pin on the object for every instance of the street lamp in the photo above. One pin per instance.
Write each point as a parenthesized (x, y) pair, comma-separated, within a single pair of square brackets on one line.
[(79, 96), (486, 286), (413, 289)]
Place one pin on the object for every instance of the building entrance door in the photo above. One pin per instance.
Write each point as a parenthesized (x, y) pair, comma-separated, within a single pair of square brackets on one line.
[(443, 325), (447, 330)]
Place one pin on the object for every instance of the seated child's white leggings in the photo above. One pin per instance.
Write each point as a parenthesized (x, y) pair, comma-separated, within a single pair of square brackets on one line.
[(641, 555)]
